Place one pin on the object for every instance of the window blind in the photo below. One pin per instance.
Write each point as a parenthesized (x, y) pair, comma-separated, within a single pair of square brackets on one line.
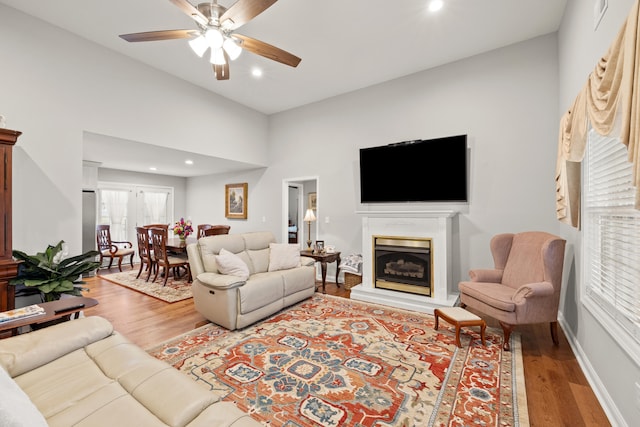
[(612, 233)]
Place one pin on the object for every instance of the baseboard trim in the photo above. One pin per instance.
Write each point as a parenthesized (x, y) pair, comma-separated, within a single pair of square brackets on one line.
[(608, 404)]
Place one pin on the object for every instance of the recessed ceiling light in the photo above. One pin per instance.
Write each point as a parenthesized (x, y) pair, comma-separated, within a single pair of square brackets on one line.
[(188, 162), (435, 5), (256, 72), (153, 168)]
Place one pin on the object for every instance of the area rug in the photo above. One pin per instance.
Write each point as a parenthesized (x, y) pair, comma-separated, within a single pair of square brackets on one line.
[(175, 290), (330, 361)]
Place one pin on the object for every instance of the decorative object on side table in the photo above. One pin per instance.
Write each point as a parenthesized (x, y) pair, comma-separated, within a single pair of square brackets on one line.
[(183, 228), (235, 200), (319, 248), (309, 217), (52, 273)]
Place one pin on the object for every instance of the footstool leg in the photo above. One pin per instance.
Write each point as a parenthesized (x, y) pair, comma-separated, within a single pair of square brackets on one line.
[(483, 326), (458, 336), (436, 313)]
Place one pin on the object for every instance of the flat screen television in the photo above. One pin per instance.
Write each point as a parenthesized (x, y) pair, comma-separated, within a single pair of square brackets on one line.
[(433, 170)]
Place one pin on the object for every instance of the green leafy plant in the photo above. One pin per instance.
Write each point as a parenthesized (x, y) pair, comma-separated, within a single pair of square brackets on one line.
[(52, 273)]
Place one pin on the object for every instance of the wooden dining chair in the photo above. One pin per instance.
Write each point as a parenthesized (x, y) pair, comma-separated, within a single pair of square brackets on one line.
[(162, 257), (202, 228), (217, 229), (113, 249), (163, 226), (145, 252)]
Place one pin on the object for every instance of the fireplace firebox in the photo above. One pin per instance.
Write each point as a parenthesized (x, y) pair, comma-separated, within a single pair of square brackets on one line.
[(402, 264)]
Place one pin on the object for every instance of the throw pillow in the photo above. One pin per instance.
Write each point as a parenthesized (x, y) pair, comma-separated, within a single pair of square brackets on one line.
[(16, 408), (231, 264), (283, 256)]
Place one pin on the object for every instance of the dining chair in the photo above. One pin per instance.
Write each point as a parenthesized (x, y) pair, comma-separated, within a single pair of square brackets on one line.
[(145, 252), (202, 228), (217, 229), (164, 226), (162, 257), (112, 249)]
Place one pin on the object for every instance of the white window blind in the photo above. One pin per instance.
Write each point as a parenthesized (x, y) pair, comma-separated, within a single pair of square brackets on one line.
[(611, 234)]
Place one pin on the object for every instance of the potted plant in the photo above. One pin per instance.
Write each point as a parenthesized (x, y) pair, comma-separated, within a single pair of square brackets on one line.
[(53, 274)]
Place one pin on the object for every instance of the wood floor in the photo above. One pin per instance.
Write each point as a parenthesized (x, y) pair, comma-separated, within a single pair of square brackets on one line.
[(558, 393)]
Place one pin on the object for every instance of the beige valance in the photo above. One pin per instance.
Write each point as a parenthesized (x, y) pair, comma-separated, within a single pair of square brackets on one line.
[(610, 96)]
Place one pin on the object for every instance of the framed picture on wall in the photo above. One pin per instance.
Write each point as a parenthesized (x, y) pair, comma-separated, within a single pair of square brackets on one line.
[(313, 201), (235, 201)]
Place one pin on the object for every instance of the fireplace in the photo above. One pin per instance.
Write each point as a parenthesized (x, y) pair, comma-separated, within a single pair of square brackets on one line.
[(433, 284), (402, 264)]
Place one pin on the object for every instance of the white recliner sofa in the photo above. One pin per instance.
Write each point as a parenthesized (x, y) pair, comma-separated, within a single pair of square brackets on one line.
[(82, 373), (239, 279)]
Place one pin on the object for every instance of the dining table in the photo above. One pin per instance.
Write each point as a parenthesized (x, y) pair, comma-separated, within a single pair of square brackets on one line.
[(176, 245)]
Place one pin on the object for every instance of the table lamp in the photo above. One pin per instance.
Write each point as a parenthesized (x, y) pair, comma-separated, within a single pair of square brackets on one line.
[(309, 217)]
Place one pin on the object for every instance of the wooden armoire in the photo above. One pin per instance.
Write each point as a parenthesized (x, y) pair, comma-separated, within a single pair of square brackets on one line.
[(8, 266)]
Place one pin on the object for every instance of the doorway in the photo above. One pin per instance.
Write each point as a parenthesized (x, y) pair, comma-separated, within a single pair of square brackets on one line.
[(296, 193)]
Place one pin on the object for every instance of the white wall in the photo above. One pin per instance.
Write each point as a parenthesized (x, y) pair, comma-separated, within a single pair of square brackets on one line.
[(611, 369), (56, 85), (505, 100), (178, 184)]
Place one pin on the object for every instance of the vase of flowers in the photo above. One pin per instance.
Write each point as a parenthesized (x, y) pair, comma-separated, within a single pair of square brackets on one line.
[(183, 228)]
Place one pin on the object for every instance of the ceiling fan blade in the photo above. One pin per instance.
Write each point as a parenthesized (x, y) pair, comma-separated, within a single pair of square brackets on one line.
[(191, 11), (221, 71), (268, 51), (244, 11), (150, 36)]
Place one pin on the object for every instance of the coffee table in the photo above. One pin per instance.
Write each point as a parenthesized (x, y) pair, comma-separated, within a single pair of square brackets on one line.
[(52, 310)]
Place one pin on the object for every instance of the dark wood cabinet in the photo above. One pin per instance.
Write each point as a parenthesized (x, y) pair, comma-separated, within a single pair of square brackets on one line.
[(8, 266)]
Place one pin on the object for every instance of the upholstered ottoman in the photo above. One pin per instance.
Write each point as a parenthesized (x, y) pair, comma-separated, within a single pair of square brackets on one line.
[(459, 317)]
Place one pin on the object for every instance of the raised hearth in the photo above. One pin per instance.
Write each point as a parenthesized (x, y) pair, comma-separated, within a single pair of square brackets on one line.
[(432, 229)]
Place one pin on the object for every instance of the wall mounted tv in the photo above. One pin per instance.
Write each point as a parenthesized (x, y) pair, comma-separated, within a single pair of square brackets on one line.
[(433, 170)]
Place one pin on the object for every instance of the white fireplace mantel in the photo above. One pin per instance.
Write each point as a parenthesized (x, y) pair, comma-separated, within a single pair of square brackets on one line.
[(435, 225)]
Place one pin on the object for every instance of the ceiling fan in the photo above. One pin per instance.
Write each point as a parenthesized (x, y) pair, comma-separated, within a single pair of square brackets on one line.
[(216, 31)]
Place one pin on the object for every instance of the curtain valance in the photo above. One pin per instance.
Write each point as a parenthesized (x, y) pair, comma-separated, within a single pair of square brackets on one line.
[(609, 103)]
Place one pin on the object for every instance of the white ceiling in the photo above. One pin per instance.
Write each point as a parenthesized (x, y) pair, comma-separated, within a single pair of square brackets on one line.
[(345, 45)]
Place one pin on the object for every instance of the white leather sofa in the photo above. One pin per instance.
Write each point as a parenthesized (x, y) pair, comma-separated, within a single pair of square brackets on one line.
[(275, 277), (82, 373)]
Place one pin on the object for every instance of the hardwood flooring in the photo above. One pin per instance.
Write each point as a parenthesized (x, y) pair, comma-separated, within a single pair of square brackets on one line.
[(558, 393)]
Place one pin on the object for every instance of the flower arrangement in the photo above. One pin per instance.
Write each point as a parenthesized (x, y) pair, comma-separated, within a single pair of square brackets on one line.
[(183, 228)]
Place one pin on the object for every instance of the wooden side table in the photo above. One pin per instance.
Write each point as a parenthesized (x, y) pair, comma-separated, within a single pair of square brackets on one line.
[(459, 317), (52, 310), (323, 259)]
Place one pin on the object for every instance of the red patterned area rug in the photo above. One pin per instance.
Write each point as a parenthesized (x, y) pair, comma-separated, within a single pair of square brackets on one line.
[(332, 361), (176, 289)]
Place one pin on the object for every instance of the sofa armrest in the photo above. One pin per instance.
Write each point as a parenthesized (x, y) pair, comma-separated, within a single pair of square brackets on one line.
[(220, 281), (539, 289), (488, 276), (195, 261), (305, 261), (26, 352)]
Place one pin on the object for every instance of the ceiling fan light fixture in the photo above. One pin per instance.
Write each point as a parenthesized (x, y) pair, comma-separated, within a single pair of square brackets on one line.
[(214, 38), (217, 57), (232, 48), (199, 45)]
